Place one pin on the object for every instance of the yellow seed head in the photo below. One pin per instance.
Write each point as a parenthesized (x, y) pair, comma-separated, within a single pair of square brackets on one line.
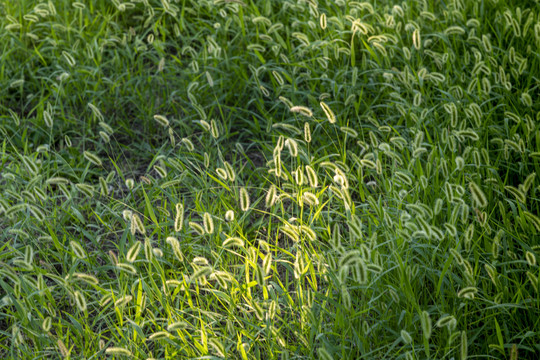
[(328, 112), (244, 199)]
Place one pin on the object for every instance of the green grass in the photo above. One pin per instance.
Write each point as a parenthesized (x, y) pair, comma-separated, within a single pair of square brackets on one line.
[(401, 140)]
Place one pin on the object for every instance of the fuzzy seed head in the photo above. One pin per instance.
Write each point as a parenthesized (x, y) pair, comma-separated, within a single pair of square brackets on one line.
[(230, 171), (292, 146), (426, 324), (322, 21), (307, 132), (417, 41), (179, 219), (196, 227), (244, 199), (328, 112), (161, 120), (302, 110), (229, 216), (133, 252), (407, 339), (270, 198), (208, 223), (478, 195), (80, 301), (118, 351), (214, 131), (92, 158)]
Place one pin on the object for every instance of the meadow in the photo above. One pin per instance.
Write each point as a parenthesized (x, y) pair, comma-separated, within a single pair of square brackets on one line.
[(269, 179)]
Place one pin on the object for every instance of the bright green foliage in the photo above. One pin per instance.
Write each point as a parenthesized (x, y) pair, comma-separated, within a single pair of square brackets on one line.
[(264, 179)]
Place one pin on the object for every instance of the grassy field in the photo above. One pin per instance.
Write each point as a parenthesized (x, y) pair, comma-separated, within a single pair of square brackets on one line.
[(269, 179)]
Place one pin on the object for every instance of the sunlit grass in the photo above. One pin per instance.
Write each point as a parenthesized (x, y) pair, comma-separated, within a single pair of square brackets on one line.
[(269, 179)]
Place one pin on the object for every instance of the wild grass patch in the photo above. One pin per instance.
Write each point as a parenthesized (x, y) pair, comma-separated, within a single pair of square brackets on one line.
[(269, 179)]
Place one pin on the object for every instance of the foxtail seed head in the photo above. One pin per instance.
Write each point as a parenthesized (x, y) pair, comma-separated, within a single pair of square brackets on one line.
[(244, 199), (196, 227), (92, 158), (270, 198), (328, 112), (302, 110), (407, 339), (426, 324), (292, 146), (80, 301), (230, 171), (179, 219), (322, 21), (307, 132), (161, 120), (478, 195), (208, 223), (118, 351), (133, 252), (229, 216), (416, 39)]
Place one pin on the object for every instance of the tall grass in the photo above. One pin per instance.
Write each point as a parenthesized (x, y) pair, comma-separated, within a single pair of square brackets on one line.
[(269, 179)]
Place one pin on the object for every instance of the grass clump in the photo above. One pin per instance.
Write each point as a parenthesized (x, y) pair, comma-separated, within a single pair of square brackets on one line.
[(269, 179)]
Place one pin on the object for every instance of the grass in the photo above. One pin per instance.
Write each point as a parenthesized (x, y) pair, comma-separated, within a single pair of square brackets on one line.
[(260, 179)]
